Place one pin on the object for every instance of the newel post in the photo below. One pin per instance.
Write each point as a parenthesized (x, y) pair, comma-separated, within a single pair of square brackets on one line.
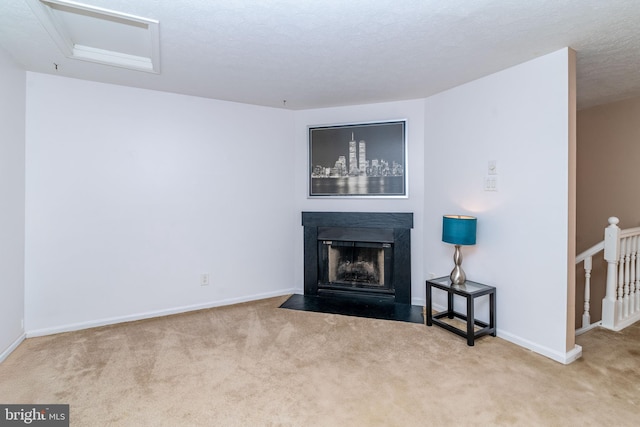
[(611, 251)]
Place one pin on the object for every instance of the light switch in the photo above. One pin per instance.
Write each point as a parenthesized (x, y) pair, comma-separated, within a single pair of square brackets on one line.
[(492, 168), (491, 183)]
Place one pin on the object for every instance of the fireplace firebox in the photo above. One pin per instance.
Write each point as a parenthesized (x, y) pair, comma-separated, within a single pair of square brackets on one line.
[(358, 255)]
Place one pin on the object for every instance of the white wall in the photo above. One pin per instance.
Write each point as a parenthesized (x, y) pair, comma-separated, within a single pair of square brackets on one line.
[(413, 112), (519, 118), (132, 194), (12, 164)]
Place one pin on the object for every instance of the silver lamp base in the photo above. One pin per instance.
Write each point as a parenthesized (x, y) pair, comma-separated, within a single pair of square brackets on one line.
[(457, 276)]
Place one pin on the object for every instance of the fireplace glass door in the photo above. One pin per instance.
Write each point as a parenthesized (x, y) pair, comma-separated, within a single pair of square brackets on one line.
[(355, 266)]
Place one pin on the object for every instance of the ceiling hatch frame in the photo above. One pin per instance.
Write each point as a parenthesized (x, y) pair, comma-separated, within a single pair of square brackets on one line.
[(51, 14)]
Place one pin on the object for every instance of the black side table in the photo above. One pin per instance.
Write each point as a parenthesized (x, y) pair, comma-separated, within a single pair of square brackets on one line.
[(470, 290)]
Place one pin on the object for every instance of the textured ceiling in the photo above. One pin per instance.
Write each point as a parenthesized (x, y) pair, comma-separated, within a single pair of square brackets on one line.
[(342, 52)]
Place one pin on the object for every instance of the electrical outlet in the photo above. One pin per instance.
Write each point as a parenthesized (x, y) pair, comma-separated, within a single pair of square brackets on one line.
[(204, 279)]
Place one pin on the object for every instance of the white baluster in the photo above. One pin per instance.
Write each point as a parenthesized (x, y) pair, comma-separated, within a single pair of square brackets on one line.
[(586, 317), (633, 244), (637, 277), (637, 267), (611, 245), (626, 244), (620, 285)]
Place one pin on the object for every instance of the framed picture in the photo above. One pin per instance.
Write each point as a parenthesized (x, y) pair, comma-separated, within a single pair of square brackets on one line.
[(358, 160)]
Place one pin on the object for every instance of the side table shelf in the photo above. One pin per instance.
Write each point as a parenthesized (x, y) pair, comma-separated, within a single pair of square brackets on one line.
[(470, 291)]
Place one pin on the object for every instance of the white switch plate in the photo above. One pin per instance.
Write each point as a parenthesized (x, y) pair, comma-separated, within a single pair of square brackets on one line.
[(491, 183), (492, 167)]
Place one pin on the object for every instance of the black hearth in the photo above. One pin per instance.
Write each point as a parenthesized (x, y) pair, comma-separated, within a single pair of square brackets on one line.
[(358, 255)]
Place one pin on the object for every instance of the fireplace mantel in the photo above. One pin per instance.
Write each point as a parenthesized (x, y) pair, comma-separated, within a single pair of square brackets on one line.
[(397, 225)]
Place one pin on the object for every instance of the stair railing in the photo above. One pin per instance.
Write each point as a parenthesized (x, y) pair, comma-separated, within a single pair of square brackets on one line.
[(621, 304)]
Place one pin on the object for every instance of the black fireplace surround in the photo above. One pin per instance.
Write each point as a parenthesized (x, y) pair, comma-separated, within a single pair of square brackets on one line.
[(383, 237)]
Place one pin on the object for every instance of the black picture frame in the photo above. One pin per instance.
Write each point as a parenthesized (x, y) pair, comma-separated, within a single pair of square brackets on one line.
[(358, 160)]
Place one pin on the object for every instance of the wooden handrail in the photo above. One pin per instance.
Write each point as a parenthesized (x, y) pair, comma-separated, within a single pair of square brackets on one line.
[(630, 232), (590, 252)]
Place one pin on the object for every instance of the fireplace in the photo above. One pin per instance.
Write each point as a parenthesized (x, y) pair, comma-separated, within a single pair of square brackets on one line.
[(356, 255)]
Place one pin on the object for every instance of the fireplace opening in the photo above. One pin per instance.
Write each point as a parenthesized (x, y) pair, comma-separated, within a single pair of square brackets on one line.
[(355, 265)]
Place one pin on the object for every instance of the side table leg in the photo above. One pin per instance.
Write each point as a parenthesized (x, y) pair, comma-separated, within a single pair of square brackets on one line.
[(470, 322), (450, 305), (429, 308), (492, 312)]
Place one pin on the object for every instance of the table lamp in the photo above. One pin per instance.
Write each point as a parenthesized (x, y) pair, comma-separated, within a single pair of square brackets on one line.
[(458, 230)]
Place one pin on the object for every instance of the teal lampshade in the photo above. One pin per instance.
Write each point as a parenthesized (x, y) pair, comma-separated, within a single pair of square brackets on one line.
[(459, 229)]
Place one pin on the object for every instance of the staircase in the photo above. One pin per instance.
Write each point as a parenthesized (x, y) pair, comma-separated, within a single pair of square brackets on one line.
[(621, 304)]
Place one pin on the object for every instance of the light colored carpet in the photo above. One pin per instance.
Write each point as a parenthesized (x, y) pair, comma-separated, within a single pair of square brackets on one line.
[(255, 364)]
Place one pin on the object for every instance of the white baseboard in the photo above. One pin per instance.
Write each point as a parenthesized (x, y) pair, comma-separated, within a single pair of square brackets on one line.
[(588, 328), (151, 314), (573, 355), (564, 358), (12, 347)]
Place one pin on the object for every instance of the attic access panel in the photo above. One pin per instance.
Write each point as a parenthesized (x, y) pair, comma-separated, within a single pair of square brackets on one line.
[(100, 35)]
